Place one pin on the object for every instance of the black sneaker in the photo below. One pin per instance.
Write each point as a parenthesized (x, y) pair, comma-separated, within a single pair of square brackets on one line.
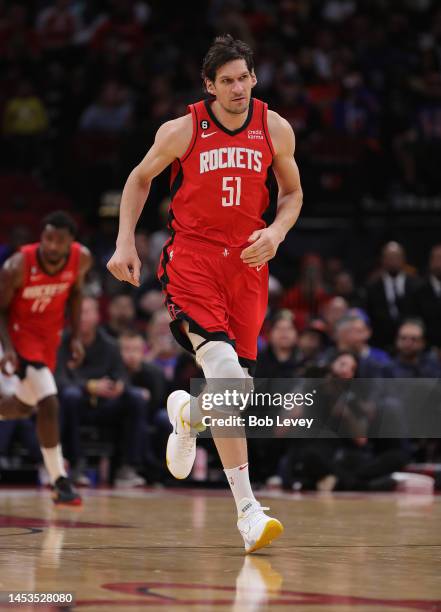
[(64, 493)]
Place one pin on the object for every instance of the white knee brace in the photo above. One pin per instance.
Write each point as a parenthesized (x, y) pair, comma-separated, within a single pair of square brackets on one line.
[(224, 373), (218, 359)]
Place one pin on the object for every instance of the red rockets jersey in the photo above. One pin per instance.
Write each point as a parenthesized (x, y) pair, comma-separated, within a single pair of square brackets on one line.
[(36, 313), (218, 187)]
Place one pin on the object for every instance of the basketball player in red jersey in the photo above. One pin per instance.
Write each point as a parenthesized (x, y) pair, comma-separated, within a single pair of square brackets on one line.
[(35, 286), (214, 267)]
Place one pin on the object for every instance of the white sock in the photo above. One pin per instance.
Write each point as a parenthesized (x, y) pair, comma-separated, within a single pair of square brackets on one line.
[(239, 480), (53, 460)]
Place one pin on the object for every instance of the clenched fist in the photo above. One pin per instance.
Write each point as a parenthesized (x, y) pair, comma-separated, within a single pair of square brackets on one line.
[(125, 264)]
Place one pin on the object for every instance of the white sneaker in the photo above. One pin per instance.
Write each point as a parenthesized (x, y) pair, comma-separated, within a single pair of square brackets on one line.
[(257, 529), (181, 445), (81, 480), (127, 478)]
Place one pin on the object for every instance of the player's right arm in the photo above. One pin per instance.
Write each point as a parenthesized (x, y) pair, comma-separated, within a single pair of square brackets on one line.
[(11, 279), (171, 142)]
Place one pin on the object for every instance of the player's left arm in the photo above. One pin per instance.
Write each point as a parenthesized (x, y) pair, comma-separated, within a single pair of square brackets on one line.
[(266, 241), (75, 299)]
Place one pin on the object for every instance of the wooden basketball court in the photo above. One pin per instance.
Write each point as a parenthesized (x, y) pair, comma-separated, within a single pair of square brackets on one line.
[(179, 549)]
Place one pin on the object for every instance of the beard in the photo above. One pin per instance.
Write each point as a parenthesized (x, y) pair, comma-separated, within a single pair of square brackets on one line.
[(54, 259), (237, 110)]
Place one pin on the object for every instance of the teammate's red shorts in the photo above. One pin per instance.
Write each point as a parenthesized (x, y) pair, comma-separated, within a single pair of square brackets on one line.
[(34, 348), (221, 297)]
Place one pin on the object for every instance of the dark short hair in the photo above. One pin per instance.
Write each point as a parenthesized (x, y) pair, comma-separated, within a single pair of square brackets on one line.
[(131, 333), (414, 321), (342, 353), (223, 50), (351, 318), (60, 220), (281, 315)]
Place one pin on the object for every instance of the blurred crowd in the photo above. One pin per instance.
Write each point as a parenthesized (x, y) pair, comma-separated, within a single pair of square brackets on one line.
[(324, 326), (84, 86)]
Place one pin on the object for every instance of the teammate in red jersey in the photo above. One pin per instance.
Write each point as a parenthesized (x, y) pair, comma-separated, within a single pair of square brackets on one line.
[(36, 283), (214, 267)]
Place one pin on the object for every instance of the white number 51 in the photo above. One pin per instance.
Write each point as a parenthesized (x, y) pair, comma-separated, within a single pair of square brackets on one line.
[(232, 191)]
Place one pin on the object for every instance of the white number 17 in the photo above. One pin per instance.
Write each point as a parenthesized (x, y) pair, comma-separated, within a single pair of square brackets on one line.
[(233, 191)]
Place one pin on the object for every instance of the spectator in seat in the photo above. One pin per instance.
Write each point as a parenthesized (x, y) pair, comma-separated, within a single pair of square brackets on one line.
[(111, 113), (149, 299), (277, 361), (121, 315), (97, 393), (418, 146), (427, 299), (332, 312), (353, 334), (121, 29), (163, 350), (149, 378), (18, 38), (389, 298), (355, 113), (353, 462), (25, 123), (312, 342), (280, 358), (149, 296), (343, 286), (148, 262), (57, 25), (295, 105), (308, 296), (411, 361), (25, 114)]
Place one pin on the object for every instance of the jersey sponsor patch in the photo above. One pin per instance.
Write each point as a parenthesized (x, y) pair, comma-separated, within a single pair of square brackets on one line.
[(255, 135)]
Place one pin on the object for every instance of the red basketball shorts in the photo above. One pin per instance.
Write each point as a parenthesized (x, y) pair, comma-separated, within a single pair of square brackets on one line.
[(221, 297)]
